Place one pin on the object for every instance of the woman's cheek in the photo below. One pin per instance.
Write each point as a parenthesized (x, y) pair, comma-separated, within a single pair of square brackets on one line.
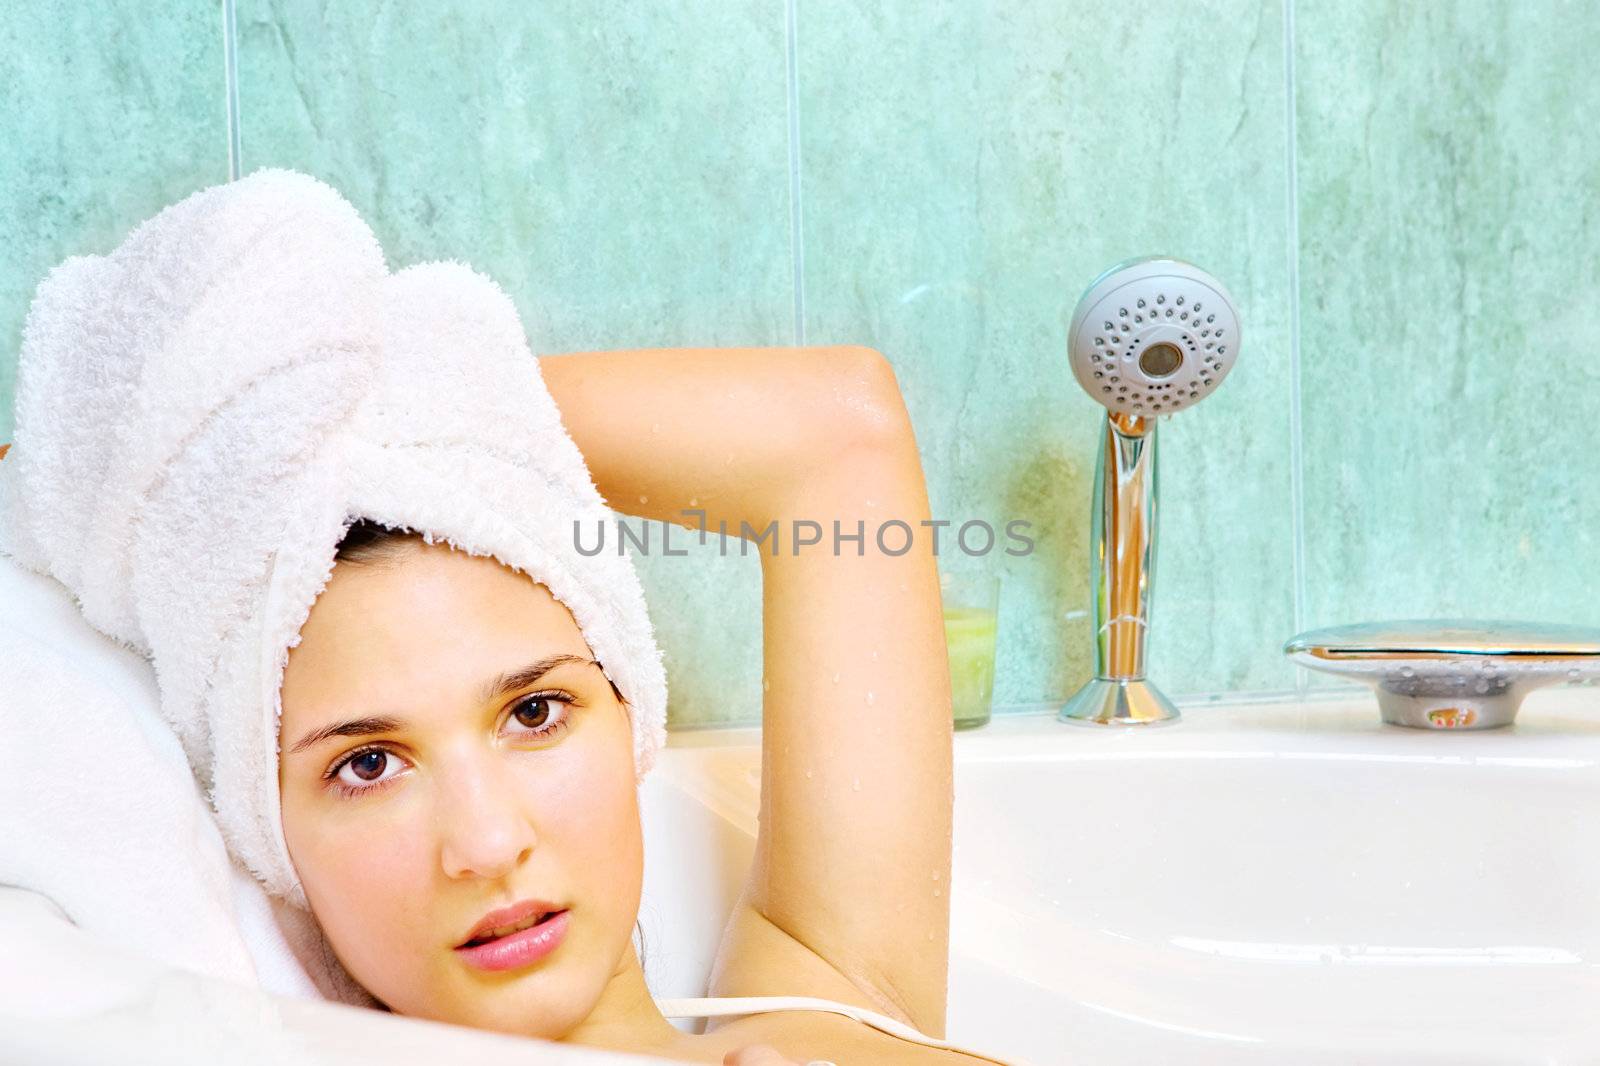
[(591, 815), (363, 866), (370, 893)]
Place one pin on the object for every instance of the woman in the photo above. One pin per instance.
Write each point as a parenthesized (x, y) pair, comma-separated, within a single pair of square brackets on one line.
[(436, 790), (846, 898)]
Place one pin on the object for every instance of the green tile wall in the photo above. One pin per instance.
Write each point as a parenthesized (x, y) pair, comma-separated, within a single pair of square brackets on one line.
[(1450, 321), (1401, 198)]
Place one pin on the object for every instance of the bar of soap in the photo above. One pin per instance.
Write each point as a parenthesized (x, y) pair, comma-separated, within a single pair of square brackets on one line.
[(970, 634)]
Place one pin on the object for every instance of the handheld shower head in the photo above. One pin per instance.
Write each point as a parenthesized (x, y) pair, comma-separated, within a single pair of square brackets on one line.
[(1152, 336)]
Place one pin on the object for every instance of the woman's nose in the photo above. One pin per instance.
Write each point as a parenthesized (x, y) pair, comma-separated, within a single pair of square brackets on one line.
[(483, 824)]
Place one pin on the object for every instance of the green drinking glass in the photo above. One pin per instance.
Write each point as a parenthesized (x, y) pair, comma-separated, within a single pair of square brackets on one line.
[(971, 602)]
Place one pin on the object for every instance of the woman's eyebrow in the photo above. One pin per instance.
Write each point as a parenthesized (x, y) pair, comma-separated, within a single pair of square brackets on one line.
[(505, 684), (512, 680), (356, 727)]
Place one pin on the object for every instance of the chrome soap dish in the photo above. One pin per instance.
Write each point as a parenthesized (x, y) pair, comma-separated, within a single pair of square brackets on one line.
[(1454, 673)]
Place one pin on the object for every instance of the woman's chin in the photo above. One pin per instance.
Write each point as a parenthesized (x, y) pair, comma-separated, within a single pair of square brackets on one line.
[(546, 1001)]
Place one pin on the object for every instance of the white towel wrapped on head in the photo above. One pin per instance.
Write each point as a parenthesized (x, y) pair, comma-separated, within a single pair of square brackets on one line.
[(201, 414)]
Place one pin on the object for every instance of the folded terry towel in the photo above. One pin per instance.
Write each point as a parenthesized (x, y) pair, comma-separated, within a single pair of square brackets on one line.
[(100, 813), (201, 414)]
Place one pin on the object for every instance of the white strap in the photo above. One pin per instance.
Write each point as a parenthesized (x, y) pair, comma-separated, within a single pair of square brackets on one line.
[(719, 1006)]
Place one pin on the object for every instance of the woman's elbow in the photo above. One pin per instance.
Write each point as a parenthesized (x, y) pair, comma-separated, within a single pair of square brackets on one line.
[(868, 407)]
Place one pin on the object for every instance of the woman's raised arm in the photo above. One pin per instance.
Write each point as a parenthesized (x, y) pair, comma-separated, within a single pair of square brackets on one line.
[(853, 854)]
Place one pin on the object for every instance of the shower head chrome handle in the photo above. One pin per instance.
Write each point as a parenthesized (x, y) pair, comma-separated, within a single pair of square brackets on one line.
[(1123, 532), (1122, 569), (1149, 337)]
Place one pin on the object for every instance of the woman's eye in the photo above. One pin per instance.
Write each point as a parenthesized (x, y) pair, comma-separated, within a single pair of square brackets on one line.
[(366, 769), (541, 715)]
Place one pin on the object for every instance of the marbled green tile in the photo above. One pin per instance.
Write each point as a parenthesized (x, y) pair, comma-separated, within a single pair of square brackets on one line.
[(624, 175), (706, 607), (968, 169), (109, 112), (626, 178), (1449, 177)]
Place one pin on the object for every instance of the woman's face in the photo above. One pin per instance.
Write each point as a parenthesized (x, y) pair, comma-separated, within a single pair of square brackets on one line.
[(469, 800)]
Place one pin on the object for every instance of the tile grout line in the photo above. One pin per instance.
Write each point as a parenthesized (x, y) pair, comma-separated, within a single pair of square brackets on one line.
[(796, 214), (1296, 395), (230, 82)]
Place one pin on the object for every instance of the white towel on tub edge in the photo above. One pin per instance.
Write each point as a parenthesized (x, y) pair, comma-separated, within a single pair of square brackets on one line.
[(100, 812)]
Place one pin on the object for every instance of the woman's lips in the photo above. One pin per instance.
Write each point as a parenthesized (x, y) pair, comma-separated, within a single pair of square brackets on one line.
[(516, 950)]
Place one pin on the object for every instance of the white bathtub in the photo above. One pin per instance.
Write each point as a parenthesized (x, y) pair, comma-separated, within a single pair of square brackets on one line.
[(1256, 883)]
